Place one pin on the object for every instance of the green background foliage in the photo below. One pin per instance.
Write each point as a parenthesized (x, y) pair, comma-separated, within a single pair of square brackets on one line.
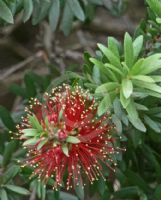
[(124, 77), (60, 13)]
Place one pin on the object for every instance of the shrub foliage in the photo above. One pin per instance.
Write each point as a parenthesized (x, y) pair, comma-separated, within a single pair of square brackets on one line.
[(124, 77)]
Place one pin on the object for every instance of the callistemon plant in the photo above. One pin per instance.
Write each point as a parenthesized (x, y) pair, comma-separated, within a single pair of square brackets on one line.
[(64, 134), (126, 82)]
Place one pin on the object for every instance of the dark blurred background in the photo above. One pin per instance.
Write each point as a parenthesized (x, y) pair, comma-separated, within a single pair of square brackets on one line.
[(24, 47)]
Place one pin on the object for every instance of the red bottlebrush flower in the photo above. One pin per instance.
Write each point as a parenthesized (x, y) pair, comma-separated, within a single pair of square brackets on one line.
[(64, 134)]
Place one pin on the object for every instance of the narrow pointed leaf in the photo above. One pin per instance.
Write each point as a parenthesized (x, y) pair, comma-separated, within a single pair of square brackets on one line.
[(125, 102), (41, 144), (128, 50), (65, 149), (150, 86), (5, 13), (113, 45), (6, 118), (152, 124), (134, 117), (144, 78), (157, 193), (137, 46), (29, 132), (151, 64), (28, 9), (73, 140), (3, 194), (67, 19), (107, 87), (127, 88), (17, 189), (104, 105), (114, 60), (76, 9), (155, 5), (35, 123), (54, 14), (32, 141)]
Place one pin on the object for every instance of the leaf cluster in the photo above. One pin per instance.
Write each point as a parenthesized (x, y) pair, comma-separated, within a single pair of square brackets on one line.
[(127, 83), (60, 13), (126, 80)]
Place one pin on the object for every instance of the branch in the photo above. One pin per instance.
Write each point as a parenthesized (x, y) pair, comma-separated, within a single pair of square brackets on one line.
[(22, 64)]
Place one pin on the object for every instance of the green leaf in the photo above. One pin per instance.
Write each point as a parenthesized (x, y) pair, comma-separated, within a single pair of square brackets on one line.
[(79, 189), (127, 192), (9, 150), (29, 132), (117, 107), (112, 76), (104, 105), (76, 9), (11, 172), (155, 5), (156, 78), (125, 102), (17, 189), (41, 190), (18, 90), (144, 78), (107, 87), (125, 69), (150, 93), (60, 117), (65, 149), (54, 14), (35, 123), (66, 196), (3, 194), (30, 86), (73, 140), (96, 75), (121, 176), (117, 123), (137, 46), (41, 9), (96, 2), (136, 68), (134, 117), (41, 144), (114, 60), (100, 65), (32, 141), (67, 19), (151, 64), (28, 9), (158, 20), (150, 86), (152, 124), (101, 185), (128, 50), (148, 153), (137, 180), (113, 45), (157, 193), (115, 69), (5, 13), (6, 118), (106, 195), (127, 88), (141, 107)]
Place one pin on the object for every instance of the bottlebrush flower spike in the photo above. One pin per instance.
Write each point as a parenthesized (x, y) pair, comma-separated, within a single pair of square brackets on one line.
[(64, 134)]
